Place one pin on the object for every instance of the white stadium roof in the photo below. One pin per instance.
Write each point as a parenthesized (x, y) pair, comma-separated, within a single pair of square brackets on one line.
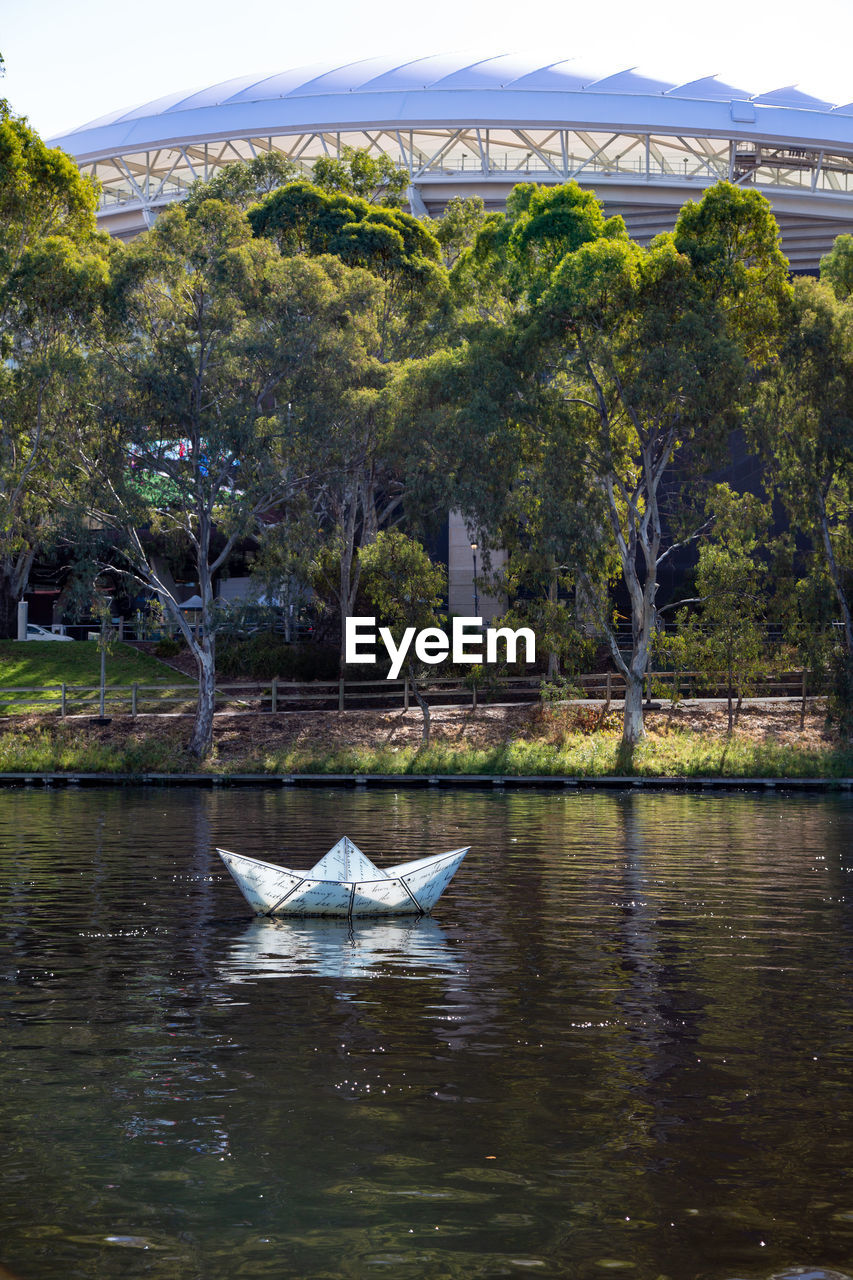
[(463, 126)]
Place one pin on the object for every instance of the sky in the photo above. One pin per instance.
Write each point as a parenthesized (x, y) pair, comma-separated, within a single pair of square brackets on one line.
[(70, 61)]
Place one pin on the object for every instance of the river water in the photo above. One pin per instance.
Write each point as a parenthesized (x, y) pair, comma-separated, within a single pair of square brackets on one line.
[(623, 1044)]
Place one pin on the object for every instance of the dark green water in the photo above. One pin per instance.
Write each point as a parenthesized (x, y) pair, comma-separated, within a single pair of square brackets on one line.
[(622, 1045)]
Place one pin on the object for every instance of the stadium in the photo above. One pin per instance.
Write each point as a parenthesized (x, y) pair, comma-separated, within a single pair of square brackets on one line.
[(477, 127)]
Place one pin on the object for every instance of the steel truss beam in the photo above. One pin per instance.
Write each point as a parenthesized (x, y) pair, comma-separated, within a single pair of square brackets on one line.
[(553, 154)]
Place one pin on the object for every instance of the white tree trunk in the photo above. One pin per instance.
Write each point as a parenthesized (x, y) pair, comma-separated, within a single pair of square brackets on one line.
[(202, 736), (633, 726)]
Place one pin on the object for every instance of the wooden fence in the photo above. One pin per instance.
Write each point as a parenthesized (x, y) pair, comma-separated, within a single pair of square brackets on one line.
[(283, 695)]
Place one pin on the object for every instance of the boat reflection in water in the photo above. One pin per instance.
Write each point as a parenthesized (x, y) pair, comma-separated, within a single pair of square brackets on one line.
[(413, 947)]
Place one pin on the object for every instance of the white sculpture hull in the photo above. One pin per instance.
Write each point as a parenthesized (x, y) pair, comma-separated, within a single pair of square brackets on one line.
[(343, 883)]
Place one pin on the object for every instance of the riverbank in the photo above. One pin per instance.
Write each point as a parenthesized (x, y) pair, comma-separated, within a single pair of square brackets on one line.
[(688, 741)]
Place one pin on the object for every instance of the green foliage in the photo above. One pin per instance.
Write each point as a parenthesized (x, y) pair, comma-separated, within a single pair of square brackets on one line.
[(458, 227), (407, 590), (243, 182), (840, 702), (836, 267), (301, 218), (561, 689), (52, 273), (618, 360), (401, 581), (167, 647), (732, 241), (543, 599), (802, 604), (804, 423), (366, 451), (266, 656), (579, 753), (557, 221), (73, 748), (357, 173), (42, 192), (725, 637), (211, 337)]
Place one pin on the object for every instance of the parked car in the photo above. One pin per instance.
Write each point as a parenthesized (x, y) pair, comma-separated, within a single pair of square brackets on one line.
[(35, 632)]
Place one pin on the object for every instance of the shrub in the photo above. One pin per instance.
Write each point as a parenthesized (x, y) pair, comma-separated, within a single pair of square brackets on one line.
[(167, 648), (840, 701), (266, 655)]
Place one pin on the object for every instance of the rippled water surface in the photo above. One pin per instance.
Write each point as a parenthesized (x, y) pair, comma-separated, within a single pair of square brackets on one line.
[(622, 1044)]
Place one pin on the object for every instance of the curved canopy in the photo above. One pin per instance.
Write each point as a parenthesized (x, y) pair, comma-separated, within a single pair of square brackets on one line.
[(445, 88)]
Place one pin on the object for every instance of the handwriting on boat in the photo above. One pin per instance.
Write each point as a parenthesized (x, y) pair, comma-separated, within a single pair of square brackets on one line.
[(343, 883)]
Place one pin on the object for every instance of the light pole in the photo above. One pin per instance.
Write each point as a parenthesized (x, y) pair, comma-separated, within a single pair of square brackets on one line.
[(476, 599)]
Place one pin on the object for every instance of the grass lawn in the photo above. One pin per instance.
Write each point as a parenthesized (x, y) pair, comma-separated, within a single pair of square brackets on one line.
[(38, 664)]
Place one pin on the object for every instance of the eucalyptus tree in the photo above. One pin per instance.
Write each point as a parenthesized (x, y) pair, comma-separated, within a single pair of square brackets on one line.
[(725, 635), (407, 590), (368, 449), (807, 416), (805, 422), (302, 219), (502, 446), (458, 226), (653, 347), (355, 172), (637, 356), (836, 267), (244, 182), (52, 266), (211, 341)]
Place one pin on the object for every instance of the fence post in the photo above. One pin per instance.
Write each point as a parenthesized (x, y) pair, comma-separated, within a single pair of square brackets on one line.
[(341, 694), (474, 694), (63, 708), (274, 694), (405, 693), (133, 698), (609, 693)]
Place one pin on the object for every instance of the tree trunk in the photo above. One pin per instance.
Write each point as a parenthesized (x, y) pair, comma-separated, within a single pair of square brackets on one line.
[(14, 577), (835, 574), (729, 691), (202, 736), (347, 588), (553, 657), (422, 703), (633, 726), (8, 607)]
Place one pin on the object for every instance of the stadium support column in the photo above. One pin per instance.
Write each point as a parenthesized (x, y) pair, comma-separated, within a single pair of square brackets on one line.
[(416, 203)]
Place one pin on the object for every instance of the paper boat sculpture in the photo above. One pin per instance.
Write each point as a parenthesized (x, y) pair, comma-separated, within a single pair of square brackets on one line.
[(343, 883)]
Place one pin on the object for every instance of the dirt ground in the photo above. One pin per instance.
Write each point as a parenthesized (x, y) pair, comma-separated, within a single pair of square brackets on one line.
[(761, 720), (239, 734)]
